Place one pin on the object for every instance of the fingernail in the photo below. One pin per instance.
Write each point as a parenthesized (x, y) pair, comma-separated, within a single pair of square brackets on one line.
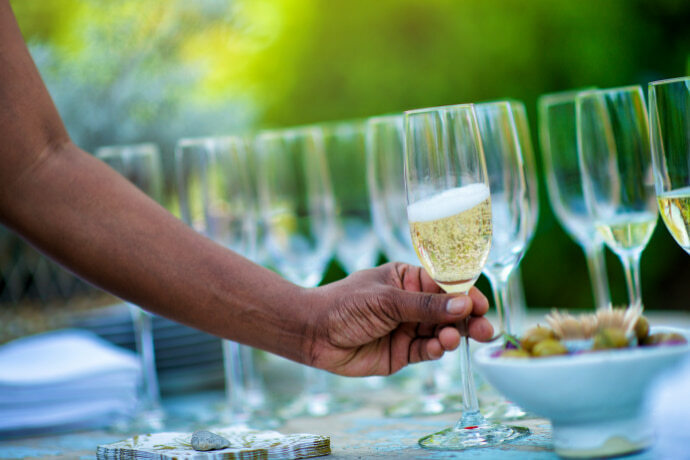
[(457, 305)]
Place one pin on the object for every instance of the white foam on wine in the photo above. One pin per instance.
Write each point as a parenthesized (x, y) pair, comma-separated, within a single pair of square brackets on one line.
[(447, 203)]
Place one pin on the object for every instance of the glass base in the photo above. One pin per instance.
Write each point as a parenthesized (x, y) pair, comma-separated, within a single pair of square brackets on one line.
[(506, 411), (472, 431), (256, 420), (432, 404), (149, 420), (317, 405)]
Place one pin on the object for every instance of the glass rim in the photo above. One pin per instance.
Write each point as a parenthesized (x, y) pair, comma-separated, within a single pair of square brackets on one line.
[(507, 100), (193, 141), (298, 130), (386, 117), (142, 145), (330, 124), (668, 80), (466, 105), (148, 149), (498, 103), (562, 97), (606, 91)]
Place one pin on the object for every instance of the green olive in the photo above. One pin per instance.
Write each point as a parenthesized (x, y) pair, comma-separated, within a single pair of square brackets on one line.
[(661, 338), (549, 347), (536, 335), (610, 337), (641, 328), (515, 353)]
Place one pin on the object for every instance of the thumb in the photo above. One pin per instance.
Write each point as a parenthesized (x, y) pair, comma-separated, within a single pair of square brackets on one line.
[(429, 308)]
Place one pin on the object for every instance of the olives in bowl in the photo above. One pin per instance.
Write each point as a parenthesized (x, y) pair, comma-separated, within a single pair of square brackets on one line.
[(592, 394)]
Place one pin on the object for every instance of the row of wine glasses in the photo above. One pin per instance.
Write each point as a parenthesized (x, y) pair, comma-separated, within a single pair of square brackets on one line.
[(299, 204), (467, 192), (558, 135), (604, 183)]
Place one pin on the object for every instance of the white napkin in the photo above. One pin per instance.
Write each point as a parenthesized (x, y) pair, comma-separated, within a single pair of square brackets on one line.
[(669, 404), (67, 378)]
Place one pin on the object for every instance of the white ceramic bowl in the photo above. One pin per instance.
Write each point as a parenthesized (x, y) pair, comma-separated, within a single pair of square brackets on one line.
[(594, 400)]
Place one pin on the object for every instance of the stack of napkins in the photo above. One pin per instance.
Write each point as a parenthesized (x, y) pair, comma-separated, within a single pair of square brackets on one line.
[(245, 444), (69, 379)]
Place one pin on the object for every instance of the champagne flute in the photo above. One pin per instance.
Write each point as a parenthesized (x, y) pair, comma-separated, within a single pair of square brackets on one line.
[(385, 139), (669, 111), (515, 292), (558, 135), (615, 162), (140, 164), (505, 139), (216, 200), (357, 247), (386, 184), (509, 200), (449, 212), (296, 200)]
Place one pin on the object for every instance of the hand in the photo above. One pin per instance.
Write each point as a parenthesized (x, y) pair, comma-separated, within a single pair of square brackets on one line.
[(374, 322)]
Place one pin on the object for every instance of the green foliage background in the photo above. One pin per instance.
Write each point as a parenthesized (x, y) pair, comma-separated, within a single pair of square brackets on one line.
[(144, 70)]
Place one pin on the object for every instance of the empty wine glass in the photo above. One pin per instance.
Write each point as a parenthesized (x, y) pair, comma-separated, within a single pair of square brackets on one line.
[(385, 140), (509, 199), (216, 200), (386, 185), (357, 247), (140, 164), (669, 111), (515, 292), (449, 211), (617, 178), (296, 200), (505, 138), (558, 134)]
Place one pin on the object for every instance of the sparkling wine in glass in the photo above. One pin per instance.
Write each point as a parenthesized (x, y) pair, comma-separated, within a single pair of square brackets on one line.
[(669, 111), (449, 213), (385, 141), (140, 164), (617, 178), (558, 135)]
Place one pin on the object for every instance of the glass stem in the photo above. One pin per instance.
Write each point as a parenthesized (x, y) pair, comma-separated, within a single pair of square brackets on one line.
[(499, 287), (470, 414), (631, 265), (516, 302), (234, 385), (596, 265), (144, 338), (253, 384)]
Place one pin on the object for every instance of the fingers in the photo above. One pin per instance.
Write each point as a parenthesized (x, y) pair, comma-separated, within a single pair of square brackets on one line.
[(416, 279), (420, 307), (420, 348), (432, 348), (479, 301), (481, 329), (421, 300)]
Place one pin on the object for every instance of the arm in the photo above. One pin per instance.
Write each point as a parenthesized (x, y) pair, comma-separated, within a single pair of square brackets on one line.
[(85, 216)]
